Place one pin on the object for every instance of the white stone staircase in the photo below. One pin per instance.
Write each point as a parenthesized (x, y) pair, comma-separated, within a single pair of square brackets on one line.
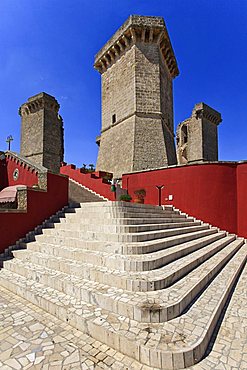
[(148, 281)]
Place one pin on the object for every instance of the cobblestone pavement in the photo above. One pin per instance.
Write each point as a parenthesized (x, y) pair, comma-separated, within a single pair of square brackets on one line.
[(33, 339)]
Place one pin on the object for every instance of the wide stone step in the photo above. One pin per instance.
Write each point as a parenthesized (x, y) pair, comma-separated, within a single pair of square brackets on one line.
[(145, 307), (138, 282), (125, 248), (177, 344), (142, 307), (118, 237), (116, 207), (154, 260), (104, 207), (121, 220), (117, 204), (115, 228), (102, 219), (113, 206), (158, 244), (60, 230), (114, 261)]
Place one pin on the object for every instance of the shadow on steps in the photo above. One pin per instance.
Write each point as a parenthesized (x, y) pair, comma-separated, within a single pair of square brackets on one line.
[(77, 194)]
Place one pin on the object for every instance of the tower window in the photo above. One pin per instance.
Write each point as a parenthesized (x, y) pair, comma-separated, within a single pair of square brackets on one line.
[(114, 118), (184, 134)]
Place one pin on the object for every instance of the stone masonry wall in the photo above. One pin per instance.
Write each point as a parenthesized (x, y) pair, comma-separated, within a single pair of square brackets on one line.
[(149, 147), (32, 137), (147, 78), (116, 148), (166, 95), (210, 141), (118, 90), (170, 147), (53, 141), (195, 147)]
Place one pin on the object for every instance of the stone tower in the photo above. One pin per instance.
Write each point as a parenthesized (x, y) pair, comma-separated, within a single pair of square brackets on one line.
[(42, 131), (137, 67), (197, 136)]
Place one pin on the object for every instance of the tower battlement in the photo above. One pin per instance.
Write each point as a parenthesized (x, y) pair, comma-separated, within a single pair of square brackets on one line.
[(37, 102), (137, 29), (202, 110)]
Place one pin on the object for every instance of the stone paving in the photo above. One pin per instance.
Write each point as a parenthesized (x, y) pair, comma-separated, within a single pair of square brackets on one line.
[(33, 339)]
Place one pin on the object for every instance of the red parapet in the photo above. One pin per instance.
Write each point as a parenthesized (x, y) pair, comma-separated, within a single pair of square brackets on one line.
[(94, 181), (242, 199), (211, 192), (27, 175), (40, 206)]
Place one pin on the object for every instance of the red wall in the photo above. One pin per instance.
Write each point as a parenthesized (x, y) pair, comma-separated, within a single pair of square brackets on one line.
[(214, 193), (207, 192), (242, 199), (3, 174), (89, 180), (26, 175), (40, 205)]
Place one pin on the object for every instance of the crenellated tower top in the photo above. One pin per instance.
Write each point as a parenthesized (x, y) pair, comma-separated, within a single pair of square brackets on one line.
[(137, 29), (38, 102), (202, 110)]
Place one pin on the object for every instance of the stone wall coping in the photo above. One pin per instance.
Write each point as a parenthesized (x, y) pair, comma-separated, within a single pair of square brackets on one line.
[(39, 169), (24, 160), (9, 210), (33, 166), (41, 95)]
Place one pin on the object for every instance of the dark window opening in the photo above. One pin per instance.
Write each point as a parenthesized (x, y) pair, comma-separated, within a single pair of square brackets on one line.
[(185, 134), (114, 118)]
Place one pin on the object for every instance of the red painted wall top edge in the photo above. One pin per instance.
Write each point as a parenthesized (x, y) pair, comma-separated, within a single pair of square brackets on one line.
[(223, 163)]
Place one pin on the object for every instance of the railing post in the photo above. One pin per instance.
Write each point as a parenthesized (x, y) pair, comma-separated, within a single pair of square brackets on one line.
[(159, 187)]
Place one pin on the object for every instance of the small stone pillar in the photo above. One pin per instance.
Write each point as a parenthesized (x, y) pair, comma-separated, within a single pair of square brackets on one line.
[(42, 138)]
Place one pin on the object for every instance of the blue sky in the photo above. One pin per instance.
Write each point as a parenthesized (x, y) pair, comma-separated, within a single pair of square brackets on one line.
[(49, 45)]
